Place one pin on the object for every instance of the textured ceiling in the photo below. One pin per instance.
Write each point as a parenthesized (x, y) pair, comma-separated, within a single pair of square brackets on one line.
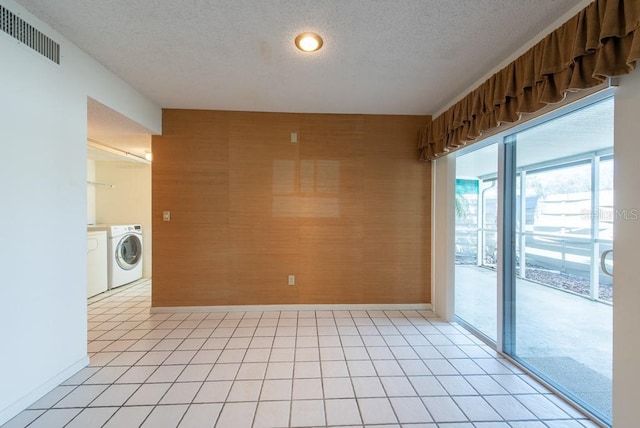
[(379, 56)]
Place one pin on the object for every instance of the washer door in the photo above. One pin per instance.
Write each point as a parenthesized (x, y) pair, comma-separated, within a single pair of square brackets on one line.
[(129, 252)]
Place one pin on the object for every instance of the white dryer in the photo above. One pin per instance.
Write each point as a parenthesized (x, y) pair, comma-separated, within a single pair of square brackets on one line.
[(124, 258), (97, 272)]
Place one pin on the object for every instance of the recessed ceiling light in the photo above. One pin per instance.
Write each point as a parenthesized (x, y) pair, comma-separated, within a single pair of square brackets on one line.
[(308, 42)]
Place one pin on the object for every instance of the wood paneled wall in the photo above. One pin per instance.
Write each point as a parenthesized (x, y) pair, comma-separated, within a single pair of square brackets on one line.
[(346, 209)]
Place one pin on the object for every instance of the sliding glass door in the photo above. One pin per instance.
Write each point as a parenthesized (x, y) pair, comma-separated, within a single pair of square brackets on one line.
[(558, 273)]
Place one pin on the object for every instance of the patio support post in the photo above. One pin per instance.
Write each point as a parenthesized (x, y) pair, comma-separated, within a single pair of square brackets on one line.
[(523, 224), (480, 253), (506, 260)]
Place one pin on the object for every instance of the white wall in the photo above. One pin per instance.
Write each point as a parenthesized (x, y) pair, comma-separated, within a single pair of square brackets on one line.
[(43, 173), (129, 202), (626, 286), (443, 229)]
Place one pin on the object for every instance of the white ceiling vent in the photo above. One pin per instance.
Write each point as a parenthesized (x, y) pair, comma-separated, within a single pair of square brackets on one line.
[(24, 32)]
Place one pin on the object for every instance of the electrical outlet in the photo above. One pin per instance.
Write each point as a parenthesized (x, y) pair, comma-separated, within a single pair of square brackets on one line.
[(292, 280), (294, 138), (166, 215)]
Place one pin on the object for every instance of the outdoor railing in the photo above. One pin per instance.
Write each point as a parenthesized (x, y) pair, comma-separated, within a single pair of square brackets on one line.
[(573, 255)]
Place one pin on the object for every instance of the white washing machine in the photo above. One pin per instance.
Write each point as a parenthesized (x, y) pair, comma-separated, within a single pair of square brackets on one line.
[(124, 253)]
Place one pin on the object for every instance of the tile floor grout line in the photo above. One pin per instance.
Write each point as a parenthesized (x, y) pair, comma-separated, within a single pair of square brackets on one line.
[(324, 396), (293, 371), (264, 376), (412, 386), (224, 404), (355, 395)]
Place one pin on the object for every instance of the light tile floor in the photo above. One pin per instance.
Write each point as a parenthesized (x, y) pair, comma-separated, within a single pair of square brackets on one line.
[(289, 369)]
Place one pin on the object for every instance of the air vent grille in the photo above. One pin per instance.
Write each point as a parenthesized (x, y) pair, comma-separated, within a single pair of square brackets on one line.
[(19, 29)]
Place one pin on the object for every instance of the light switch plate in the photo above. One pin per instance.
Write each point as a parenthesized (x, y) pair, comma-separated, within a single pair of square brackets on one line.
[(166, 215)]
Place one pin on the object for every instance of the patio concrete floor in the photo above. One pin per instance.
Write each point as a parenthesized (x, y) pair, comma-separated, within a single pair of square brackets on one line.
[(564, 335)]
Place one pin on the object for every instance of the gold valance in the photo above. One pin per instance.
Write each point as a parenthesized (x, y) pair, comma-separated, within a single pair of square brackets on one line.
[(601, 41)]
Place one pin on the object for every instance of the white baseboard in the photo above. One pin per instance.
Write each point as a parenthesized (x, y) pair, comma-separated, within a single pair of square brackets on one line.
[(18, 406), (321, 307)]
